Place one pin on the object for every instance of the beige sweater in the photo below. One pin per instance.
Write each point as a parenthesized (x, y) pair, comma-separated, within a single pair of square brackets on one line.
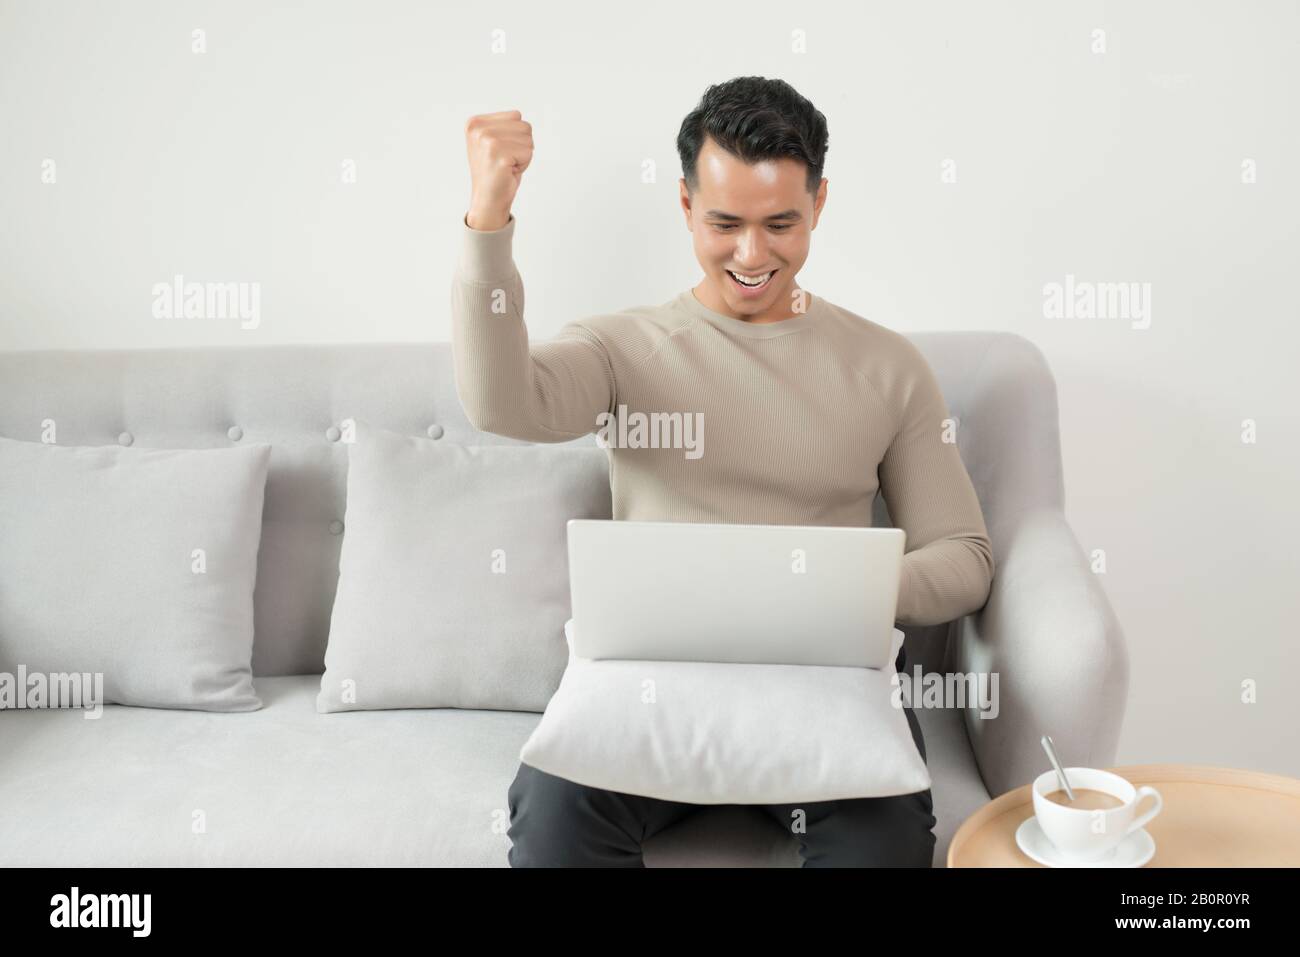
[(796, 422)]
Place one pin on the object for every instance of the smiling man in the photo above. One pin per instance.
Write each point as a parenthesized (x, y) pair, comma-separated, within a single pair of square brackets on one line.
[(811, 411)]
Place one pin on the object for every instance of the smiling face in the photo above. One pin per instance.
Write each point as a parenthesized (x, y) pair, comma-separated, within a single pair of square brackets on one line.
[(754, 221)]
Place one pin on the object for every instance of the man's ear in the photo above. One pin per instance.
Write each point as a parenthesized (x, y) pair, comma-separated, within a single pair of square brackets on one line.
[(819, 201), (685, 200)]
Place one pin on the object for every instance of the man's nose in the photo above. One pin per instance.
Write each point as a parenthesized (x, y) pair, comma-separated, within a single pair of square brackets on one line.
[(751, 250)]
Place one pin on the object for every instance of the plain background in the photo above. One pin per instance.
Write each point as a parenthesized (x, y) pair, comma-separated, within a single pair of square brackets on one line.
[(1122, 166)]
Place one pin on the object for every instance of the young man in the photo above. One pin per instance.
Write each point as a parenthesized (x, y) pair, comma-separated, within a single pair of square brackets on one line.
[(810, 411)]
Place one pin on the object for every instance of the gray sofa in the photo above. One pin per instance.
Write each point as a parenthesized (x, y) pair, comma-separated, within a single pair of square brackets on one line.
[(287, 785)]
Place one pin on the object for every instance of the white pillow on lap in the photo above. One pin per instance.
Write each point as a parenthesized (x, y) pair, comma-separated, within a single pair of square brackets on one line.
[(453, 577), (137, 564), (719, 733)]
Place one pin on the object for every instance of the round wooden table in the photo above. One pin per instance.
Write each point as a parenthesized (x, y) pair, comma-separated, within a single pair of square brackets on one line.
[(1212, 817)]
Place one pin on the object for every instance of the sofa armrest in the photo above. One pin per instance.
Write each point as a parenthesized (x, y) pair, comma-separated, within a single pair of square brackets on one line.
[(1050, 634)]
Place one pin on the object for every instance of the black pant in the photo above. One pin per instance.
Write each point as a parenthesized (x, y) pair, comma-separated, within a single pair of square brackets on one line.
[(557, 823)]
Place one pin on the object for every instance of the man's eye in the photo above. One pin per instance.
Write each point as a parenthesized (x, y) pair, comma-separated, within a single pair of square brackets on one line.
[(780, 227), (724, 225)]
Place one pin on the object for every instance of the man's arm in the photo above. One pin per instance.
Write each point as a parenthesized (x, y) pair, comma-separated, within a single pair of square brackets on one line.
[(948, 567), (548, 392)]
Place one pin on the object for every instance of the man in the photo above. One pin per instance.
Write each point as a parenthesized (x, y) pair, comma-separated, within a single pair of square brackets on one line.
[(810, 410)]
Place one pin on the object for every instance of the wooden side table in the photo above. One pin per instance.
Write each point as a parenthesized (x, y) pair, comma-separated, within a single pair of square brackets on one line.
[(1212, 817)]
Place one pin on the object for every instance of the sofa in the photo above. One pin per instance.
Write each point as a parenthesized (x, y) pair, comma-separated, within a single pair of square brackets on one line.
[(286, 785)]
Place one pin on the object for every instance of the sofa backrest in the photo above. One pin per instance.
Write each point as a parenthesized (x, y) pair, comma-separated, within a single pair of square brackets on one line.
[(294, 397)]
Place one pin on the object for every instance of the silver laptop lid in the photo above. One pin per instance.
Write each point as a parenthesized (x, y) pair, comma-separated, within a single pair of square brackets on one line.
[(772, 594)]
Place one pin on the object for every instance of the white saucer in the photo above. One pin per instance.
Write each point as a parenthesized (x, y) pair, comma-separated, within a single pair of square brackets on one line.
[(1134, 851)]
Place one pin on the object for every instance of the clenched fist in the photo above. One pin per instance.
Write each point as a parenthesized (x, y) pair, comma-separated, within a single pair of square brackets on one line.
[(500, 147)]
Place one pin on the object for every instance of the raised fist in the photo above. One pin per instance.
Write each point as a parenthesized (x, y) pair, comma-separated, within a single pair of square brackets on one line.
[(500, 147)]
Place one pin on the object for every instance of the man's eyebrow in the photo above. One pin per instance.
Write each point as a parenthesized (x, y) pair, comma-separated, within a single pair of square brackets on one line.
[(732, 218)]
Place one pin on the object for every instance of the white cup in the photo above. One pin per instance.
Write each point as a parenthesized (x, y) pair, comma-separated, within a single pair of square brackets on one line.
[(1088, 835)]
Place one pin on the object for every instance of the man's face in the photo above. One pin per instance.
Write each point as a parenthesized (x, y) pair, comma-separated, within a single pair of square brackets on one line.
[(750, 220)]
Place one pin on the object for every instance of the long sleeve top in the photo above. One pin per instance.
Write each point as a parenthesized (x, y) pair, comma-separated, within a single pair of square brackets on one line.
[(709, 418)]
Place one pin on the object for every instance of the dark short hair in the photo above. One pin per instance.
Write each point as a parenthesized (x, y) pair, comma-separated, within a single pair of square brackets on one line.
[(755, 118)]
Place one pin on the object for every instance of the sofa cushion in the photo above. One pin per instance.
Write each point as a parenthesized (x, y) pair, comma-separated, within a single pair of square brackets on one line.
[(453, 580), (134, 567), (287, 787), (284, 786), (706, 732)]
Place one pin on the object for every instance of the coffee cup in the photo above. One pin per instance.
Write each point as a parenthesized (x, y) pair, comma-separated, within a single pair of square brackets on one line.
[(1104, 813)]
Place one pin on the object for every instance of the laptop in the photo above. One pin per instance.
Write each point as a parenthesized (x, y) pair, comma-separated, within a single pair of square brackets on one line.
[(760, 594)]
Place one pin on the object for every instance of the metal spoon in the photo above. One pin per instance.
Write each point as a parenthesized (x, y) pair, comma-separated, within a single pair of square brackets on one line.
[(1060, 771)]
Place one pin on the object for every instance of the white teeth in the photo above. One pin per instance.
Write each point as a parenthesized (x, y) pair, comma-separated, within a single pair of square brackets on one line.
[(751, 281)]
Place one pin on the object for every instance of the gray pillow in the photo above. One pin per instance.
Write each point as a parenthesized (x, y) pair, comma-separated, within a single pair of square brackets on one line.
[(454, 575), (729, 733), (136, 564)]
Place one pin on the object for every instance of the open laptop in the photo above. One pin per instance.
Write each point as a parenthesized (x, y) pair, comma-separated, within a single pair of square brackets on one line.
[(764, 594)]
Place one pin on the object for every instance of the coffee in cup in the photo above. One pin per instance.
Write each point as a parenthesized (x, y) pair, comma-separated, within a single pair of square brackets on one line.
[(1103, 813), (1086, 799)]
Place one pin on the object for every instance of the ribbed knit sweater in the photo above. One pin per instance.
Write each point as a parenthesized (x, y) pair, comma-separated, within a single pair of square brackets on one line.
[(795, 422)]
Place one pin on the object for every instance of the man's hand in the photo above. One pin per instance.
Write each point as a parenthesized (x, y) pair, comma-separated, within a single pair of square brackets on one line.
[(500, 147)]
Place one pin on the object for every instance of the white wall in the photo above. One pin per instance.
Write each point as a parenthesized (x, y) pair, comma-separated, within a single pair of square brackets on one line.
[(1117, 166)]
